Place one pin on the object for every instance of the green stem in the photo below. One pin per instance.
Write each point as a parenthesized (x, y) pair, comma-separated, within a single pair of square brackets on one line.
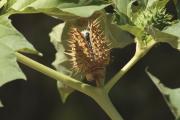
[(101, 97), (98, 94), (140, 52), (71, 82)]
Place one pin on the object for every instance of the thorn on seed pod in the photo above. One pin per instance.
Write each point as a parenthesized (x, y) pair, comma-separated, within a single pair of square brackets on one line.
[(89, 51)]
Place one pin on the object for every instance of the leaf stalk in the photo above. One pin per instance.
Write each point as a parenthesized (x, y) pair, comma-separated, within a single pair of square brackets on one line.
[(140, 52)]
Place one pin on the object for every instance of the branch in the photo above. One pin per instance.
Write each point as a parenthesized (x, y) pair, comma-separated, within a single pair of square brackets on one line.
[(98, 94), (71, 82), (101, 97), (140, 52)]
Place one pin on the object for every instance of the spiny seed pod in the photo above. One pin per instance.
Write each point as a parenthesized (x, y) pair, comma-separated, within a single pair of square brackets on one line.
[(153, 17), (89, 52)]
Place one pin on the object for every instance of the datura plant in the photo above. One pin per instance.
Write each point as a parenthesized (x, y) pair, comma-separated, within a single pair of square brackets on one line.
[(84, 40)]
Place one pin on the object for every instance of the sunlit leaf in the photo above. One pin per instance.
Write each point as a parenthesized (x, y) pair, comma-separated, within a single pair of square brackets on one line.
[(174, 29), (85, 11), (125, 7), (2, 2), (1, 105), (134, 30), (9, 68), (12, 38), (163, 36), (121, 5), (170, 35), (64, 91), (68, 9), (121, 8), (118, 37), (10, 42), (157, 3), (171, 96)]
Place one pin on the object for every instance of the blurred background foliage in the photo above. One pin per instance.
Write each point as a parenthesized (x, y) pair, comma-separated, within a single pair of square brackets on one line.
[(135, 96)]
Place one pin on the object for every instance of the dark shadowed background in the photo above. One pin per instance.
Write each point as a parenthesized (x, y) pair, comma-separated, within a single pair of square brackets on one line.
[(135, 96)]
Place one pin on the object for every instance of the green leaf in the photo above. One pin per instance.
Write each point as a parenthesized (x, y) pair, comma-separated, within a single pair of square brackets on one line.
[(84, 11), (121, 6), (163, 36), (118, 37), (127, 6), (1, 105), (64, 91), (159, 4), (175, 31), (2, 2), (134, 30), (10, 42), (10, 37), (9, 68), (64, 9), (123, 9), (171, 96)]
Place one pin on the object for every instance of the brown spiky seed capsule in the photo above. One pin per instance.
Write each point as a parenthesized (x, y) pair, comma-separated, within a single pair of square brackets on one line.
[(89, 51)]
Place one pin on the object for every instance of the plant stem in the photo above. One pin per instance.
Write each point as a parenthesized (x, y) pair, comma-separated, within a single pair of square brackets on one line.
[(98, 94), (71, 82), (102, 98), (140, 52)]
